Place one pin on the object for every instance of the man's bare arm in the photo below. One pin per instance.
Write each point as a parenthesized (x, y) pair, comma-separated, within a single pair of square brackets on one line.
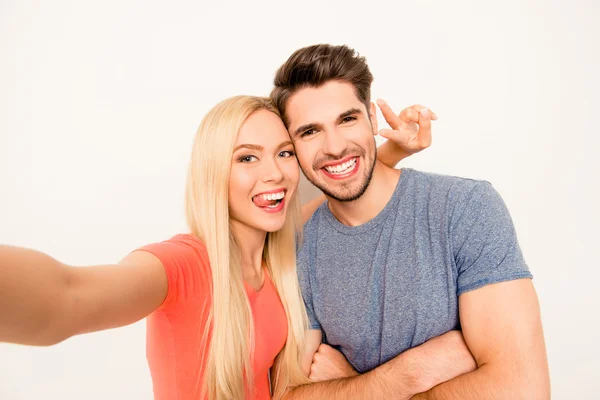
[(387, 381), (502, 326), (411, 372)]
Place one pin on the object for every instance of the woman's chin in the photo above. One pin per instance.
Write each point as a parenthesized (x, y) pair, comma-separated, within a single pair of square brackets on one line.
[(270, 224), (274, 227)]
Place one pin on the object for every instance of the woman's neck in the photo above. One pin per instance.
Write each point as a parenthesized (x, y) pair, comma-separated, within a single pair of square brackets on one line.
[(251, 243)]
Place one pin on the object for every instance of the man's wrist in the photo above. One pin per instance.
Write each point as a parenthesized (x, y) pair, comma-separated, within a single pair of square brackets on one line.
[(411, 374), (399, 378)]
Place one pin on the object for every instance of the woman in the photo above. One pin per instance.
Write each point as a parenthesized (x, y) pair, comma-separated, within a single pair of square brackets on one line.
[(223, 302)]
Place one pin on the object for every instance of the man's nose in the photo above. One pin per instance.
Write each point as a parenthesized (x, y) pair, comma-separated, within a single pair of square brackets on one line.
[(335, 143)]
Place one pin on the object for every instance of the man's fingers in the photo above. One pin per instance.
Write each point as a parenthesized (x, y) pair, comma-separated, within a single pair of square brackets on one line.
[(324, 351), (392, 119), (322, 347), (425, 128), (420, 108), (316, 357), (410, 115)]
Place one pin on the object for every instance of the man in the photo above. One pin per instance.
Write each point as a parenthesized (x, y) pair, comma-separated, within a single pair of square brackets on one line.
[(396, 258)]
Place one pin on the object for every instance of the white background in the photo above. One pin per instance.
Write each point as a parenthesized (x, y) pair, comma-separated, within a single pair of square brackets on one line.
[(99, 103)]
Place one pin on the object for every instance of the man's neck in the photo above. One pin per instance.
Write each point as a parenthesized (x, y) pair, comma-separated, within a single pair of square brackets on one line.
[(372, 202)]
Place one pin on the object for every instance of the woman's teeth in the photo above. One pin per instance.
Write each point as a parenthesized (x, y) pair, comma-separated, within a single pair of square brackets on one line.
[(344, 168), (273, 196), (268, 199)]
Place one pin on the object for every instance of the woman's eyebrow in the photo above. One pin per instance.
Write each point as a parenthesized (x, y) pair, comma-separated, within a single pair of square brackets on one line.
[(286, 143), (249, 146)]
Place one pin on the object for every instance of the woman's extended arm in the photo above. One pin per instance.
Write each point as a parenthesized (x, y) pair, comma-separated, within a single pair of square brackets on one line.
[(43, 301)]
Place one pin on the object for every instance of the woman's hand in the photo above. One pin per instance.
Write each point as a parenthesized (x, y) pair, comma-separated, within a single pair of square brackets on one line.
[(410, 133), (411, 129)]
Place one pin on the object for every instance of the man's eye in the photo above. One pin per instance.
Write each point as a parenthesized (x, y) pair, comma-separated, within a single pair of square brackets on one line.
[(308, 133), (247, 159), (348, 119), (287, 154)]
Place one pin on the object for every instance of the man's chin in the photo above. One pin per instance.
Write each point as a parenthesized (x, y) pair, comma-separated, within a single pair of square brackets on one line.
[(343, 195), (346, 198)]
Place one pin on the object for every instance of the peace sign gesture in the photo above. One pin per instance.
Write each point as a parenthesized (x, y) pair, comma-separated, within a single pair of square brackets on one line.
[(411, 129)]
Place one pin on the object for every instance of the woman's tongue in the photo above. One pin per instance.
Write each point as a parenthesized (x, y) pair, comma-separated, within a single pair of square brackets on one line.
[(259, 201)]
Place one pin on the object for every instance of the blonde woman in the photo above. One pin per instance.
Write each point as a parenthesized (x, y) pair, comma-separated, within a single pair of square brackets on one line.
[(222, 301)]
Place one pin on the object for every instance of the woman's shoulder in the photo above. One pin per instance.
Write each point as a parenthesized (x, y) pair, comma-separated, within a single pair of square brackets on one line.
[(185, 260), (188, 239), (183, 248)]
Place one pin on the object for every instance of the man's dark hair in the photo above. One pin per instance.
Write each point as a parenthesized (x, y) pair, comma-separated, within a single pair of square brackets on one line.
[(316, 65)]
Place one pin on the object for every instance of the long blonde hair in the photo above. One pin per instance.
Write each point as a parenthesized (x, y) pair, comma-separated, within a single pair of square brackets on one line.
[(228, 364)]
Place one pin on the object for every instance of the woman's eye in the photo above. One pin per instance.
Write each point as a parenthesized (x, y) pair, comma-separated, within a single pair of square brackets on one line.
[(287, 153), (247, 159)]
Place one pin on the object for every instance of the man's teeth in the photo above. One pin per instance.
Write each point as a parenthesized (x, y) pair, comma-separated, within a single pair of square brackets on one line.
[(342, 168), (272, 196)]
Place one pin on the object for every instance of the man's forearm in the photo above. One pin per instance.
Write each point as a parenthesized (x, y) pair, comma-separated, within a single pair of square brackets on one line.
[(489, 382), (383, 382), (414, 371), (473, 385)]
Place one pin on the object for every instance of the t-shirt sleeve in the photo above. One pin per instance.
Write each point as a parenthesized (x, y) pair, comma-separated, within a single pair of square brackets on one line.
[(303, 265), (484, 241), (185, 261)]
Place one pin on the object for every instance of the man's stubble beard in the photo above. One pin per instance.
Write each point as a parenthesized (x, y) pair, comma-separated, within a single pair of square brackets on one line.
[(349, 197)]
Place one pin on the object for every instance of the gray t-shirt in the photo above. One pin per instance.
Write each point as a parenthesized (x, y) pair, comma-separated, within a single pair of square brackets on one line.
[(380, 288)]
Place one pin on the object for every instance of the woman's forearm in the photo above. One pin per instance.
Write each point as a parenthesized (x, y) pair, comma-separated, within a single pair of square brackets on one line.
[(391, 154)]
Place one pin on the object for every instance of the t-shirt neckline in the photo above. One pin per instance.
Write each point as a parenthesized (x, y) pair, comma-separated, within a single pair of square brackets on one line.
[(379, 218)]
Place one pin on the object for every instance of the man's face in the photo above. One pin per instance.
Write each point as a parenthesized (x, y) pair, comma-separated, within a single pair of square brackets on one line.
[(333, 137)]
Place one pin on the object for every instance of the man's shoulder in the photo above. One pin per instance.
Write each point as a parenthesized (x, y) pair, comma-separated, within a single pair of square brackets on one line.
[(447, 187), (435, 180), (462, 198)]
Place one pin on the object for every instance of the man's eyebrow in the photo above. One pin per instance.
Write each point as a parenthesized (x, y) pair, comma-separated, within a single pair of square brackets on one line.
[(249, 146), (352, 111), (313, 125), (306, 127)]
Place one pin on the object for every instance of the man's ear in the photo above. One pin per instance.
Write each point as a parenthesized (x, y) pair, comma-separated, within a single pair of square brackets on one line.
[(373, 117)]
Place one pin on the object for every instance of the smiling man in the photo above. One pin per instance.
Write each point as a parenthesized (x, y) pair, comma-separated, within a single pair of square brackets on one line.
[(397, 259)]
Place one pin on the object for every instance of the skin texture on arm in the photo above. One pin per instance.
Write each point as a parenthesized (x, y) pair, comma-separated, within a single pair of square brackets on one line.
[(312, 342), (391, 153), (502, 327), (43, 301), (411, 372)]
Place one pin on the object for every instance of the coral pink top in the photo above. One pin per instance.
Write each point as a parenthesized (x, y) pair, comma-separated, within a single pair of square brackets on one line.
[(175, 347)]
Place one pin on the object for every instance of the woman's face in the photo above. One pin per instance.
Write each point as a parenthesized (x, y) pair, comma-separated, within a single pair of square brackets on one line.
[(264, 173)]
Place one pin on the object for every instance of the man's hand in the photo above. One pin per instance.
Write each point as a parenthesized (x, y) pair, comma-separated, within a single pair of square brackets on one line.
[(328, 364), (411, 129)]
